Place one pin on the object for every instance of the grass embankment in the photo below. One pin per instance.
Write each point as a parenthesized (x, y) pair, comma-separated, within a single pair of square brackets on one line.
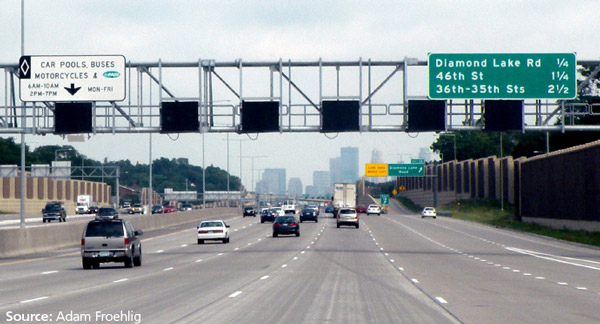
[(488, 212)]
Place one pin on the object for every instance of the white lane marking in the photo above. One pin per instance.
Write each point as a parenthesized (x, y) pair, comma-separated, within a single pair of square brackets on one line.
[(441, 300), (235, 294), (264, 277), (160, 251), (120, 280), (249, 243), (506, 268), (540, 278), (49, 272), (414, 280), (284, 266), (556, 258), (392, 260), (516, 270), (199, 260), (235, 230), (581, 288), (302, 252), (236, 249), (168, 269), (32, 300), (562, 283), (400, 268), (295, 258), (386, 254), (527, 274), (184, 245), (220, 254)]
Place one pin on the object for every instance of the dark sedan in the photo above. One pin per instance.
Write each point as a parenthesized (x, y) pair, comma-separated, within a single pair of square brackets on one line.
[(249, 211), (268, 215), (286, 225), (309, 214), (157, 209)]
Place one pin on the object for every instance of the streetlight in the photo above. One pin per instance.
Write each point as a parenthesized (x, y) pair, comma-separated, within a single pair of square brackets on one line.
[(253, 157)]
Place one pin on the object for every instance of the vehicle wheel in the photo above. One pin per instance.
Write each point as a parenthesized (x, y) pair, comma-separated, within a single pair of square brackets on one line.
[(378, 214), (338, 225), (316, 220), (228, 239), (43, 220), (297, 233), (224, 240), (357, 225), (86, 264), (96, 265), (262, 221), (200, 241), (301, 220), (64, 219), (129, 262), (433, 217), (137, 261), (422, 216), (274, 234)]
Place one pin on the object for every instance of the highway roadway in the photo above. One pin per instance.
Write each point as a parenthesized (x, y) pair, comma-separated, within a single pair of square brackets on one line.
[(396, 268)]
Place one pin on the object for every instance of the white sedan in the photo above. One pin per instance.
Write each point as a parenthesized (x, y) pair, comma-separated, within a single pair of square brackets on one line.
[(428, 212), (213, 230), (373, 209)]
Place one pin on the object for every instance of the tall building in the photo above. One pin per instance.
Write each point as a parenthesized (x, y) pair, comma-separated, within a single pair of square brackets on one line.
[(349, 164), (274, 181), (335, 170), (295, 187), (377, 157), (322, 183)]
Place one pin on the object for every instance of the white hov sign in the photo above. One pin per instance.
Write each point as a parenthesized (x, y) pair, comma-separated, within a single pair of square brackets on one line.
[(72, 78)]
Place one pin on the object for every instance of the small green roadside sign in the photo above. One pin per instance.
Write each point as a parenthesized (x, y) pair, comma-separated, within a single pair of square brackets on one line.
[(385, 199), (417, 161), (406, 170)]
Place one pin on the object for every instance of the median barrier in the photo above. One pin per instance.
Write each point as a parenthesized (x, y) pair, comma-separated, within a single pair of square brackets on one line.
[(48, 237)]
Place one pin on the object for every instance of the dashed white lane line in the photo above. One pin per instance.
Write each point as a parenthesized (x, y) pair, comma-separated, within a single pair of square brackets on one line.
[(120, 280), (33, 300), (160, 251), (184, 245), (220, 254), (581, 288), (441, 300), (284, 266), (264, 277), (562, 283), (235, 294), (199, 260), (49, 272), (414, 280), (168, 269)]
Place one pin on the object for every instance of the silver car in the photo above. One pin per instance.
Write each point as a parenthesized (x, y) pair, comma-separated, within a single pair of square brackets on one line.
[(110, 240), (347, 216), (428, 212)]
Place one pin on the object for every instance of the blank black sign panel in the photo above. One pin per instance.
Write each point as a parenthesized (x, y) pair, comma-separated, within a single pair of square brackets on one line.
[(72, 117), (426, 116), (503, 115), (179, 117), (340, 116), (259, 116)]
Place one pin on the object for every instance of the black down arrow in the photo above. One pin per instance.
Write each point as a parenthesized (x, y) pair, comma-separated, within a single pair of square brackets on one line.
[(72, 90)]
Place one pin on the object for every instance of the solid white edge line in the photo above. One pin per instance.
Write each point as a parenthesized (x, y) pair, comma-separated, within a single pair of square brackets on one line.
[(441, 300), (32, 300), (120, 280)]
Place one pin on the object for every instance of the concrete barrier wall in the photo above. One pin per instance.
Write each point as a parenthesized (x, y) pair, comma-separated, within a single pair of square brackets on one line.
[(48, 237)]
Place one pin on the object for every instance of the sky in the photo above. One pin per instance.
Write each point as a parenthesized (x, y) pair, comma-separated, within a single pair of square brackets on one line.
[(185, 31)]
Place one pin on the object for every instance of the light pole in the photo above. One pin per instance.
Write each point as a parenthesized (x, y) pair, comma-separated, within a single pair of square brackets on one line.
[(253, 157), (239, 140)]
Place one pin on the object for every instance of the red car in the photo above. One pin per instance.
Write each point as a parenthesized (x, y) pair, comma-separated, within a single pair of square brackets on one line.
[(169, 209), (361, 209)]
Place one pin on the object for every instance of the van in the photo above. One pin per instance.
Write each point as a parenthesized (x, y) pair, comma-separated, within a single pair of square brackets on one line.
[(110, 240)]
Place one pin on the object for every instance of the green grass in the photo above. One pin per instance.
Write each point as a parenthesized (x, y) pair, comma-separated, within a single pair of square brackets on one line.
[(488, 212)]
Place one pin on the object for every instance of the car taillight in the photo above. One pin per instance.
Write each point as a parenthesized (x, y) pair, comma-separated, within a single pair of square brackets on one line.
[(82, 242), (276, 225), (294, 224), (202, 232), (218, 231), (126, 241)]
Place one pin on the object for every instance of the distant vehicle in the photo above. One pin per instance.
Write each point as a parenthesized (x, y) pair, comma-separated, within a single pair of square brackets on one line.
[(279, 211), (107, 213), (373, 209), (286, 225), (361, 209), (93, 209), (213, 230), (289, 207), (169, 209), (309, 214), (347, 216), (136, 209), (83, 204), (344, 196), (249, 211), (54, 210), (157, 209), (186, 207), (329, 209), (428, 212), (315, 207), (268, 215), (111, 240), (126, 204)]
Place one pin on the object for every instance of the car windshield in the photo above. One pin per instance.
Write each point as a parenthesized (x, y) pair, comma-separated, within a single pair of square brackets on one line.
[(347, 211), (308, 210), (429, 209), (54, 207), (106, 212), (104, 229), (285, 219), (211, 224)]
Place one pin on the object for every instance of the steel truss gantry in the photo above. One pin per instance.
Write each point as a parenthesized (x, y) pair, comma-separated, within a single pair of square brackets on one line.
[(381, 87)]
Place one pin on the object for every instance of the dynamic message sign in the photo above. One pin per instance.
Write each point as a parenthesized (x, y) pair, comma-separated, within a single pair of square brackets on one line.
[(502, 76), (72, 78), (376, 170)]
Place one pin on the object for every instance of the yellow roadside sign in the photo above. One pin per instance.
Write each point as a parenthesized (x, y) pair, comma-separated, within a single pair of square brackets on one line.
[(376, 170)]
